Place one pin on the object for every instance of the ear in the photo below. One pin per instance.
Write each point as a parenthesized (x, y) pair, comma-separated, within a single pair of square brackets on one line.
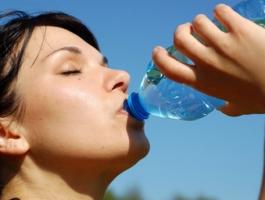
[(12, 141)]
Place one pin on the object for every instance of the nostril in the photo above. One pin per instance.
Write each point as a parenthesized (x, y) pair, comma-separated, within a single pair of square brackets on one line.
[(118, 85), (118, 80)]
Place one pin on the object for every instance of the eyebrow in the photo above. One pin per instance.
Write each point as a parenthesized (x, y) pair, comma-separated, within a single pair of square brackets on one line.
[(71, 49), (74, 50)]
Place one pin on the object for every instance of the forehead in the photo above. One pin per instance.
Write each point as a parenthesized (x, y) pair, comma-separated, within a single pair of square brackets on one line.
[(45, 39)]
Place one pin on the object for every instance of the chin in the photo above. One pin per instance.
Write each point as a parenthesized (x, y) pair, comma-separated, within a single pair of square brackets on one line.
[(139, 148), (122, 163), (133, 150)]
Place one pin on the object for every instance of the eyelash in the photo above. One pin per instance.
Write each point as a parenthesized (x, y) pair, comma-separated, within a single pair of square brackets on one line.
[(71, 72)]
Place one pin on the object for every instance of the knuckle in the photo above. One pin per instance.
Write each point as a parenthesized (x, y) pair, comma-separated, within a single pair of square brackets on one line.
[(211, 59), (225, 45), (241, 32)]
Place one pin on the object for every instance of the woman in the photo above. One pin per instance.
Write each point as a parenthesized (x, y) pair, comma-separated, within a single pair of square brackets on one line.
[(63, 131)]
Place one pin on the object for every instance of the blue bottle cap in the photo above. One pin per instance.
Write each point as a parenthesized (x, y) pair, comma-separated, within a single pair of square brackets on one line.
[(135, 108)]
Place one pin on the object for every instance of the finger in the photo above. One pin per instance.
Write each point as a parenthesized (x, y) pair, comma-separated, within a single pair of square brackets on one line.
[(173, 68), (231, 110), (229, 18), (207, 30), (187, 44)]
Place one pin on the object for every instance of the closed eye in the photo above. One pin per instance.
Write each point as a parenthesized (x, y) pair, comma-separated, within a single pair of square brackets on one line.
[(71, 72)]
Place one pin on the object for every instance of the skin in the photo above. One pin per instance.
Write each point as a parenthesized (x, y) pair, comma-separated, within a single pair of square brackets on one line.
[(75, 136), (229, 65)]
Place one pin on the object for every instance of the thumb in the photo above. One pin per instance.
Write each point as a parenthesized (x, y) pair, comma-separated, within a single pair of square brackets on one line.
[(231, 110)]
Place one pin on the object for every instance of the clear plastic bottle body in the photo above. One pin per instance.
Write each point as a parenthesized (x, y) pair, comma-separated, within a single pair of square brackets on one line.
[(162, 97)]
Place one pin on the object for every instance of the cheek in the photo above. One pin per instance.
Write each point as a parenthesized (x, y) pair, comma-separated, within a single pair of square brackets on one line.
[(62, 103), (64, 116)]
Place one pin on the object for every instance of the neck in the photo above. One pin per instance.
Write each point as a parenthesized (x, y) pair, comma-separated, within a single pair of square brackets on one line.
[(33, 182)]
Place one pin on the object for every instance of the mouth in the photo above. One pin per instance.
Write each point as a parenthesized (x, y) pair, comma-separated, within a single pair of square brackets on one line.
[(122, 109), (137, 124), (130, 119)]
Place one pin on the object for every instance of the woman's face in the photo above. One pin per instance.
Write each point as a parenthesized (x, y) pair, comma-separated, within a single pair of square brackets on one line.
[(74, 104)]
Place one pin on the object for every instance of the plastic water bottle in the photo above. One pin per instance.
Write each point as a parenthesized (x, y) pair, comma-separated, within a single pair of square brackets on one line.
[(165, 98)]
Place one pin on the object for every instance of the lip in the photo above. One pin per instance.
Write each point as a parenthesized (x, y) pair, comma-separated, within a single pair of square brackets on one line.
[(131, 120), (123, 111)]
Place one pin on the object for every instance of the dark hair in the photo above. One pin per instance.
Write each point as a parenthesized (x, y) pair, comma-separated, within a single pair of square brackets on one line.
[(15, 32)]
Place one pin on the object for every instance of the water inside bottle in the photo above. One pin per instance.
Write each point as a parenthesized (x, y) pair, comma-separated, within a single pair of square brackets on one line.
[(166, 98)]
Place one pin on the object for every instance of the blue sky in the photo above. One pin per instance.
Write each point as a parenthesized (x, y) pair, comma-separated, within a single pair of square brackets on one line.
[(218, 155)]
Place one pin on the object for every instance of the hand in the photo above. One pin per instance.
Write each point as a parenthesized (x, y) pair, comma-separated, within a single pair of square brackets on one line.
[(229, 65)]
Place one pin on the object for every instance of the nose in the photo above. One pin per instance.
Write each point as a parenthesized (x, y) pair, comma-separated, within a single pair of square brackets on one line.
[(118, 80)]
